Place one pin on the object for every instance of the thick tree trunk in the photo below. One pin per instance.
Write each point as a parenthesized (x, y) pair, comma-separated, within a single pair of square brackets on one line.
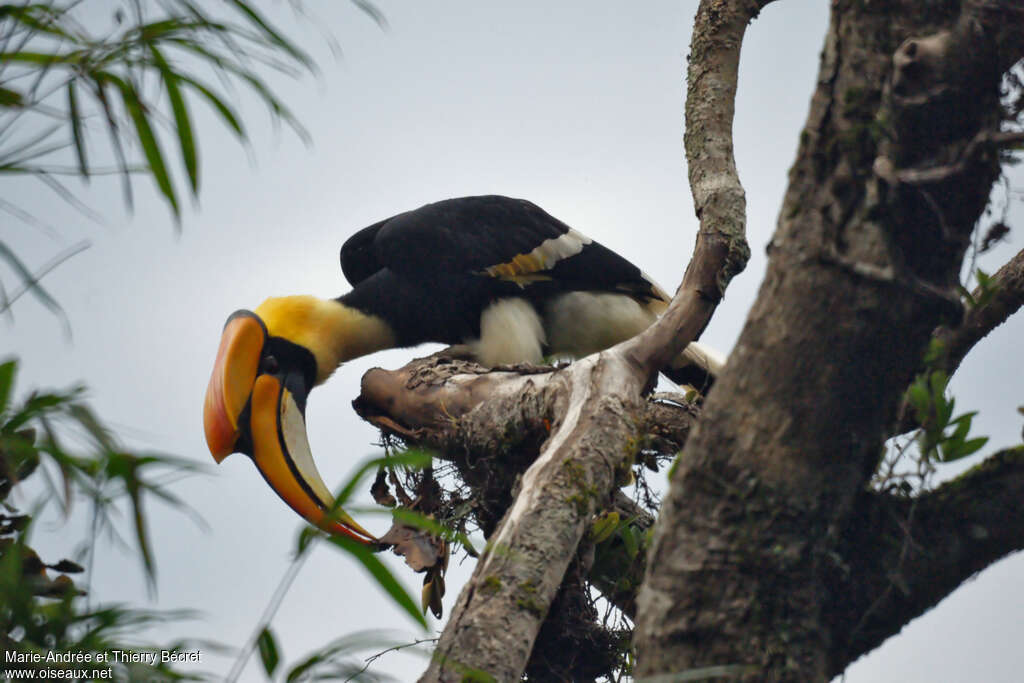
[(892, 172)]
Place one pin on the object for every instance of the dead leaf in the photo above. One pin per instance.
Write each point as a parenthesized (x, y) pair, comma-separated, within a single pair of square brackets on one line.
[(380, 491), (420, 550)]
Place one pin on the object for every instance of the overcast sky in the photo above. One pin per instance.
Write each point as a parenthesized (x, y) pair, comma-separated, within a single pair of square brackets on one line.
[(576, 106)]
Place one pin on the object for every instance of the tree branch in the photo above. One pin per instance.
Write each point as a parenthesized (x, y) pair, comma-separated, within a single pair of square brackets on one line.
[(721, 250), (901, 557), (1007, 287), (1005, 297), (568, 430)]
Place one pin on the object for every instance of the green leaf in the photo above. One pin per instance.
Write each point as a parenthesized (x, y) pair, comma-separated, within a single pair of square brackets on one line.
[(974, 445), (39, 18), (7, 372), (371, 11), (274, 36), (306, 536), (937, 381), (218, 104), (382, 575), (410, 458), (963, 426), (348, 644), (30, 281), (935, 352), (91, 424), (604, 526), (630, 540), (39, 57), (966, 294), (75, 117), (10, 98), (147, 139), (114, 131), (944, 410), (917, 394), (987, 286), (297, 671), (160, 29), (182, 121), (268, 651)]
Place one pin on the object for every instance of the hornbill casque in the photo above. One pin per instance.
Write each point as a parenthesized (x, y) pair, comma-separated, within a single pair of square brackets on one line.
[(498, 275)]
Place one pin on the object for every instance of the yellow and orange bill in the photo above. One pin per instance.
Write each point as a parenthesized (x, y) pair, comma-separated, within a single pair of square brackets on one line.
[(253, 412)]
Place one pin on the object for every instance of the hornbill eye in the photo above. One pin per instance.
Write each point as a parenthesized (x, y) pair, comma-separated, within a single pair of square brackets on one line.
[(269, 365)]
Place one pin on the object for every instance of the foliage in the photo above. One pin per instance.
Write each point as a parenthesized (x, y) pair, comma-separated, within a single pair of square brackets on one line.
[(68, 79), (934, 412), (334, 656), (39, 615), (331, 662), (63, 75)]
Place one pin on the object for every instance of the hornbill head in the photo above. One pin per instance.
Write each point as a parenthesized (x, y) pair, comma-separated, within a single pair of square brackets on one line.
[(255, 404)]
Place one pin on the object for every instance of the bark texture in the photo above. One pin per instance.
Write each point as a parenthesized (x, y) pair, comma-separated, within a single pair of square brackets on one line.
[(769, 560), (570, 430), (889, 180), (899, 557)]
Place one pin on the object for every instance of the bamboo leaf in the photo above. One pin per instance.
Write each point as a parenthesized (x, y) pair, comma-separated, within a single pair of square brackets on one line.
[(40, 57), (370, 10), (274, 36), (218, 104), (115, 138), (30, 280), (10, 98), (385, 579), (410, 458), (7, 372), (182, 121), (76, 130), (147, 139), (268, 651), (39, 18)]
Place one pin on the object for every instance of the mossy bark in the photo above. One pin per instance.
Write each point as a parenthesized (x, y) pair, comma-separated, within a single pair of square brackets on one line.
[(862, 268)]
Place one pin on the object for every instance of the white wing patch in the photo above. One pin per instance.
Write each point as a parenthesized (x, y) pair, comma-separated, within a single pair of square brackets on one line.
[(524, 268), (510, 332), (581, 323)]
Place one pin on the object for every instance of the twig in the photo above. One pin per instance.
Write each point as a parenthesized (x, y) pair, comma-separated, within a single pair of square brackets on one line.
[(372, 658), (984, 139)]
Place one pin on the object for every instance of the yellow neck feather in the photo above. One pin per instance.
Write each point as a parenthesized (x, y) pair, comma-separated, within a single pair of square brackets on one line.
[(333, 332)]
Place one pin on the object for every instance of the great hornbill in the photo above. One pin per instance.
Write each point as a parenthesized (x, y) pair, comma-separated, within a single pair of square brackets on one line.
[(498, 275)]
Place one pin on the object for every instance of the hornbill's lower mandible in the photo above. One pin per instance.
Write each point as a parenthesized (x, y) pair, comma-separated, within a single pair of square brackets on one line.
[(499, 275)]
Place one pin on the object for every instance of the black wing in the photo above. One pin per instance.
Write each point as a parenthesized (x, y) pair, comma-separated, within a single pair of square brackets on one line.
[(358, 260), (495, 236)]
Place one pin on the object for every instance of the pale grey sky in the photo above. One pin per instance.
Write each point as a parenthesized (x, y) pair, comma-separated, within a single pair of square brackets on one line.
[(576, 106)]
